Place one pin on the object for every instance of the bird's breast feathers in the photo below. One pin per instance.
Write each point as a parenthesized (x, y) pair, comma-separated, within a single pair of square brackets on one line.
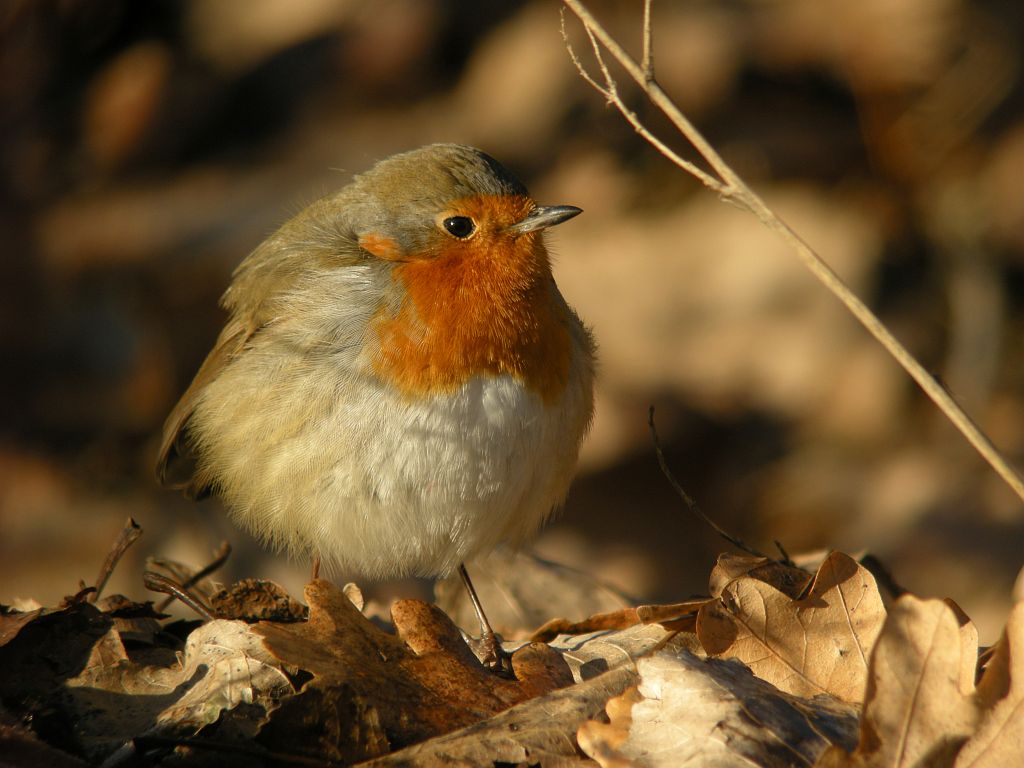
[(384, 484)]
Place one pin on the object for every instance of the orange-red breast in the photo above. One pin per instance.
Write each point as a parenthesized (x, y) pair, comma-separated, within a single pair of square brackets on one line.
[(400, 386)]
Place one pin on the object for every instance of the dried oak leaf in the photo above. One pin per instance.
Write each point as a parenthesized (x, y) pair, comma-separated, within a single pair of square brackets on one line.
[(372, 692), (256, 600), (999, 740), (817, 644), (677, 617), (682, 617), (969, 659), (692, 712), (915, 711), (788, 579), (593, 654), (223, 665), (540, 731), (624, 618), (918, 712)]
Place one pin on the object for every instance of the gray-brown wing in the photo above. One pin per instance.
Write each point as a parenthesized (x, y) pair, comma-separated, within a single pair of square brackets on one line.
[(176, 462)]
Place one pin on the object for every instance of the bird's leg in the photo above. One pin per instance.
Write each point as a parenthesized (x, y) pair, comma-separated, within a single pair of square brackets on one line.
[(488, 648), (315, 568)]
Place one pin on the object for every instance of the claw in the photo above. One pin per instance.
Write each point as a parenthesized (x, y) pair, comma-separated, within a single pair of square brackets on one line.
[(487, 647)]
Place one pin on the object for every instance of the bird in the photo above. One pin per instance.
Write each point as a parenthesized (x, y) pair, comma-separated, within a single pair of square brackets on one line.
[(399, 385)]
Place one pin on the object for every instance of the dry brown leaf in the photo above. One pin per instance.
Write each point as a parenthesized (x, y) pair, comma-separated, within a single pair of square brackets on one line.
[(692, 712), (437, 642), (788, 579), (968, 634), (372, 692), (999, 740), (90, 696), (677, 617), (819, 644), (227, 665), (606, 742), (621, 619), (591, 655), (256, 600), (540, 731), (363, 691), (916, 712), (224, 664)]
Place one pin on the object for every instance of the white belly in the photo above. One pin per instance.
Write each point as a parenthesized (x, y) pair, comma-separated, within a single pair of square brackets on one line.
[(382, 486)]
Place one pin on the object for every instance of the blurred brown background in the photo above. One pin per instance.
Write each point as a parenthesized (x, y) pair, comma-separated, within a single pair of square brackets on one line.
[(147, 147)]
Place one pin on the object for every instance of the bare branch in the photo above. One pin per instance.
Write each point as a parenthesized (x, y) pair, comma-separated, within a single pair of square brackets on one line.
[(648, 55), (156, 582), (690, 503), (128, 536), (657, 96), (611, 94), (735, 190), (220, 556), (579, 64)]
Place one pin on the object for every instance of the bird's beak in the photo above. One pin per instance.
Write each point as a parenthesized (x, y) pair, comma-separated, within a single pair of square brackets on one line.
[(544, 216)]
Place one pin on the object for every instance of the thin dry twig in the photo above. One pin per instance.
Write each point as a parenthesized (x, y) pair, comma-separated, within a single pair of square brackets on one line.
[(731, 187), (648, 55), (220, 557), (611, 95), (156, 582), (786, 559), (690, 503), (128, 536)]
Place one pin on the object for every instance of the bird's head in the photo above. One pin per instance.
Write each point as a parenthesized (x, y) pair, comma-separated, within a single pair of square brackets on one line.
[(449, 201)]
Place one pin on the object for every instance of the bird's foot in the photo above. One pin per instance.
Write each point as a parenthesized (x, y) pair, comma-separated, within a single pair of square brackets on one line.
[(490, 653)]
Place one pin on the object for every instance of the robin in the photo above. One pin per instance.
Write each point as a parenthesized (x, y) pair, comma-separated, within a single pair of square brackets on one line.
[(399, 386)]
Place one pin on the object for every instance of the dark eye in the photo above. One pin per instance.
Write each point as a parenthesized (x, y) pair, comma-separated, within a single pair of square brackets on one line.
[(459, 226)]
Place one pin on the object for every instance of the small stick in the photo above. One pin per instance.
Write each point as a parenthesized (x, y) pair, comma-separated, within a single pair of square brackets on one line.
[(690, 503), (128, 536), (786, 559), (220, 556), (648, 54), (611, 95), (156, 582)]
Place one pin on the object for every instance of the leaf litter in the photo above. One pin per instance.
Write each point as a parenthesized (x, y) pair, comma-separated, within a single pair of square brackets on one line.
[(770, 668)]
